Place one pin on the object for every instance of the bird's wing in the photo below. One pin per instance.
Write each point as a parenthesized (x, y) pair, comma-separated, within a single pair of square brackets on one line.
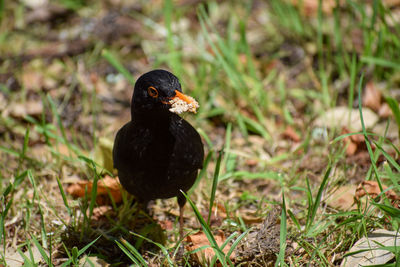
[(129, 146), (188, 148)]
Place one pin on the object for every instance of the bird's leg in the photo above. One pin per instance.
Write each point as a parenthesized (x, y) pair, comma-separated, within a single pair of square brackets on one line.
[(181, 208), (181, 203)]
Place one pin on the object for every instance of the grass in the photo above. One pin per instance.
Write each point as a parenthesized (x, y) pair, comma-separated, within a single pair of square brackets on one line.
[(257, 69)]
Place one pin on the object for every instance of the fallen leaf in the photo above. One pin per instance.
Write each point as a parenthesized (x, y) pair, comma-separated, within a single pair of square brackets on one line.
[(372, 97), (372, 255), (199, 240), (105, 187), (355, 143), (351, 147), (15, 259), (250, 217), (291, 134), (343, 197), (101, 211), (385, 111), (371, 188), (251, 162), (166, 224)]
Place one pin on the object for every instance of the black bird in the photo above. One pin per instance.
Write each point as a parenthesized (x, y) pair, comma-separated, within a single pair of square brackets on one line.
[(158, 153)]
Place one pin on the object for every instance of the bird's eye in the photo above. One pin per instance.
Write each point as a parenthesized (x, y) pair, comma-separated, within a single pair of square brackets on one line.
[(152, 92)]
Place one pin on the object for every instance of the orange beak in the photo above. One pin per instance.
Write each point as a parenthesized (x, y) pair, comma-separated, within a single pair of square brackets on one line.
[(183, 97), (181, 103)]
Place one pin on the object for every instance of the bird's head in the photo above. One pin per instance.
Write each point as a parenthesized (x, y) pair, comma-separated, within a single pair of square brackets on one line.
[(161, 90)]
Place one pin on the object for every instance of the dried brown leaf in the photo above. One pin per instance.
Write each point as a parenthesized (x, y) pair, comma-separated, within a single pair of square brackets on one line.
[(250, 217), (199, 240), (385, 111), (101, 211), (104, 187), (371, 188), (343, 197), (291, 134), (367, 187), (166, 224), (251, 162), (351, 148), (372, 97), (355, 143)]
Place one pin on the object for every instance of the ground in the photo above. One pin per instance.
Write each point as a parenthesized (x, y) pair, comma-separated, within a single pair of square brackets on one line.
[(298, 114)]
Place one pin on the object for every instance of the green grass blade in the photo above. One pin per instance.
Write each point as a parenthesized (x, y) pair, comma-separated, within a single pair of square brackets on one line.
[(226, 242), (236, 242), (214, 185), (131, 252), (64, 197), (42, 251), (380, 62), (367, 142), (392, 161), (294, 219), (227, 146), (317, 201), (394, 106), (128, 253), (82, 250), (27, 262), (390, 210), (163, 249), (9, 151)]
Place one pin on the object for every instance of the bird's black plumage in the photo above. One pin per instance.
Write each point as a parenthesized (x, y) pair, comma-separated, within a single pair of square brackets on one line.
[(157, 153)]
